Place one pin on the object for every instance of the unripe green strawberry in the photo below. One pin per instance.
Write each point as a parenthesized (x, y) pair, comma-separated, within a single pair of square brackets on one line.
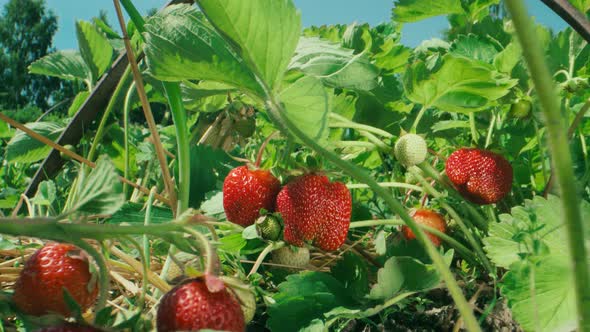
[(247, 302), (293, 257), (521, 108), (269, 227), (70, 148), (410, 150)]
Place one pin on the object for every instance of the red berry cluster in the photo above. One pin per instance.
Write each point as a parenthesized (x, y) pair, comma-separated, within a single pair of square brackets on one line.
[(314, 210)]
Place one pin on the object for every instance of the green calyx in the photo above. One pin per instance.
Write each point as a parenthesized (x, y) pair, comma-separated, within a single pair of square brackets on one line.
[(269, 227)]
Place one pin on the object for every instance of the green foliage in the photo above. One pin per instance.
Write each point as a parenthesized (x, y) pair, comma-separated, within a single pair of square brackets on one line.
[(67, 64), (307, 104), (304, 297), (532, 243), (334, 66), (25, 149), (100, 191), (204, 55), (95, 49), (460, 85), (265, 48), (416, 10)]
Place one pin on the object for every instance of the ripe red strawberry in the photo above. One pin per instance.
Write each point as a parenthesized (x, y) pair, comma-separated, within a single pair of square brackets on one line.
[(39, 288), (481, 176), (70, 328), (190, 306), (246, 191), (315, 210), (428, 218)]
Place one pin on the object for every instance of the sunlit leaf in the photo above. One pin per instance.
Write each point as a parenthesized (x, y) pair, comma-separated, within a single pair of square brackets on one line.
[(265, 32), (95, 48), (416, 10), (66, 64), (181, 45)]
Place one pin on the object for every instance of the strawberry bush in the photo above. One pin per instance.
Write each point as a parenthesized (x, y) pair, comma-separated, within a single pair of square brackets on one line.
[(246, 173)]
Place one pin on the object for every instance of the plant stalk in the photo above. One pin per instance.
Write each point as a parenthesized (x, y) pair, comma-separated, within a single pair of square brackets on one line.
[(562, 162)]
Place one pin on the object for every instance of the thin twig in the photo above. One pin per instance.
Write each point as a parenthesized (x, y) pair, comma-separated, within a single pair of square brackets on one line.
[(167, 178), (73, 155)]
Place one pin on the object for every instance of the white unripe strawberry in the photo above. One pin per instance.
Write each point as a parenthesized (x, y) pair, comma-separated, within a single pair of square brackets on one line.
[(410, 150)]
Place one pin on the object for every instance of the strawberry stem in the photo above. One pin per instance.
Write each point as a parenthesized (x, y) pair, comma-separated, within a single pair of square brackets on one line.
[(345, 123), (272, 246), (465, 252), (433, 173), (262, 147), (562, 161)]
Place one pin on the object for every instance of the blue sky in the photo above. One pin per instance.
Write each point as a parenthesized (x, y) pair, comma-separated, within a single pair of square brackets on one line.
[(314, 12)]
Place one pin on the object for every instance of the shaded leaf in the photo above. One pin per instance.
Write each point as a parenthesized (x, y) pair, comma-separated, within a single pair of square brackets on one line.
[(25, 149), (46, 193), (100, 191), (77, 103), (304, 297), (135, 213)]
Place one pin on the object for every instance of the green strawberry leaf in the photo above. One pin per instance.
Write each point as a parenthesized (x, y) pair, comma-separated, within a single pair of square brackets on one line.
[(459, 85), (528, 229), (67, 64), (473, 47), (46, 193), (95, 48), (25, 149), (304, 297), (100, 191), (265, 48), (208, 167), (181, 45), (541, 295), (333, 65), (134, 213), (532, 243), (352, 272), (403, 273), (415, 10), (307, 104)]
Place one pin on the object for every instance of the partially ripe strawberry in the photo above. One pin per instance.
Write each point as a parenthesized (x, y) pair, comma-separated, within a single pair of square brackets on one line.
[(190, 306), (428, 218), (40, 287), (481, 176), (246, 191), (297, 258), (315, 210), (70, 328), (410, 150)]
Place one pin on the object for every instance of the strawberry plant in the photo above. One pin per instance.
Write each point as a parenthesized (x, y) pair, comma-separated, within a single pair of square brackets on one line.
[(249, 173)]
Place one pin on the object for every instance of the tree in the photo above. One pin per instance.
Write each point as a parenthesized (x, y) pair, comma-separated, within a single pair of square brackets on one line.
[(26, 34)]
